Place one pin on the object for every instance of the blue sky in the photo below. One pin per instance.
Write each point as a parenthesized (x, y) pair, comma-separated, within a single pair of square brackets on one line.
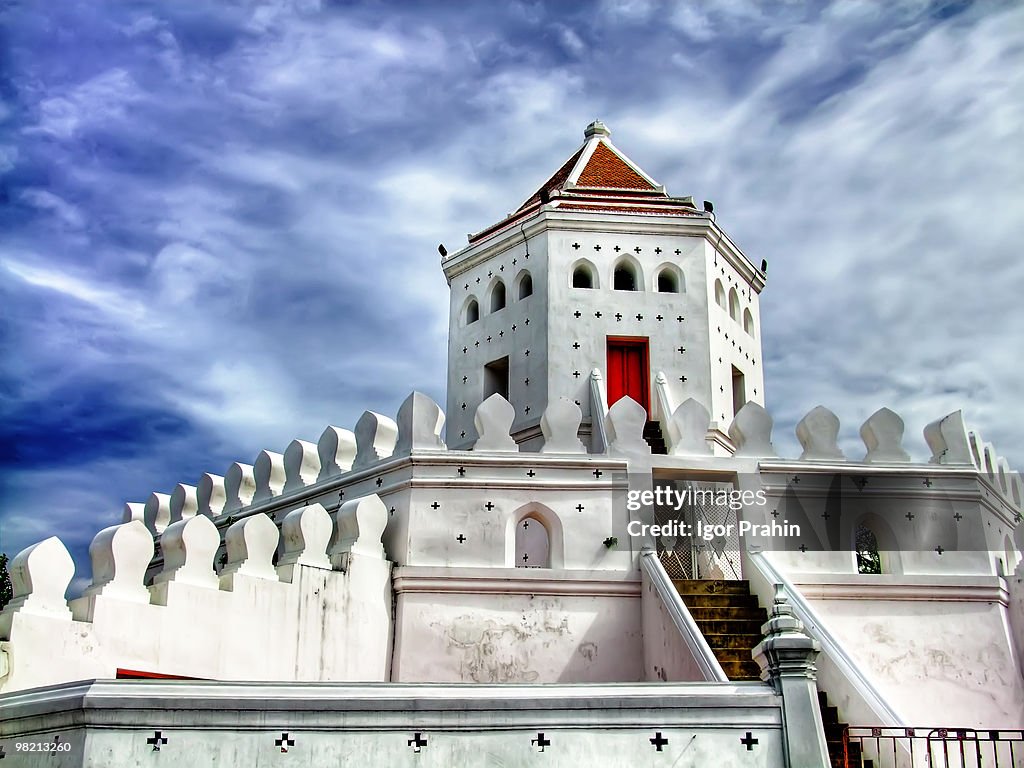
[(218, 225)]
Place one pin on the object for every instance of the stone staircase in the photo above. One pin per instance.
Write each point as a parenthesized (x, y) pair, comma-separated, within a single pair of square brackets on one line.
[(654, 438), (834, 737), (730, 619)]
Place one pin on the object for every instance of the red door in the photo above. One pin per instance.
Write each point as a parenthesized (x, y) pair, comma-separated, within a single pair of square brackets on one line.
[(628, 372)]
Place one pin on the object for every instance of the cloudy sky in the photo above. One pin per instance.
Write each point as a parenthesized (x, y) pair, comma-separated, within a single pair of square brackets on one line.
[(218, 226)]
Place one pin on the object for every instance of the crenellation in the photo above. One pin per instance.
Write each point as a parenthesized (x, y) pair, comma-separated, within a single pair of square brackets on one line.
[(689, 425), (882, 434), (211, 495), (560, 425), (305, 537), (358, 527), (948, 441), (251, 544), (157, 512), (269, 475), (120, 555), (134, 510), (818, 433), (420, 422), (625, 427), (40, 576), (301, 465), (375, 436), (493, 422), (751, 431), (337, 450), (189, 547), (184, 502), (239, 487)]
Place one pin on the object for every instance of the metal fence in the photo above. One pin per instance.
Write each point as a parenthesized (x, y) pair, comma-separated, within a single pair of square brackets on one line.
[(883, 747), (693, 557)]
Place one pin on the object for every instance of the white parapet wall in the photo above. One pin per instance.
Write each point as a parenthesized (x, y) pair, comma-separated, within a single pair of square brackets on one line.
[(125, 724), (300, 621)]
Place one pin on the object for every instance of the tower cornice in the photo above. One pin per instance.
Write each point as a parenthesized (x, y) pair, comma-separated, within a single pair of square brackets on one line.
[(550, 218)]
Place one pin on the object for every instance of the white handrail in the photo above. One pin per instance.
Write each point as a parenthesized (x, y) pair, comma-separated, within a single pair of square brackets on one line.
[(695, 640), (871, 696), (666, 407), (598, 413)]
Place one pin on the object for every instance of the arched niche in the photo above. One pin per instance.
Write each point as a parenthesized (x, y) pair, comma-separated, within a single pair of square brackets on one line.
[(583, 274), (627, 275), (887, 546), (524, 285), (470, 311), (529, 529), (669, 279), (497, 296), (734, 304)]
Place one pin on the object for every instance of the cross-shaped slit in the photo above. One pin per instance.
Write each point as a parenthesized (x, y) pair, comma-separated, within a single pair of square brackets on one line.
[(284, 742), (417, 742), (156, 740)]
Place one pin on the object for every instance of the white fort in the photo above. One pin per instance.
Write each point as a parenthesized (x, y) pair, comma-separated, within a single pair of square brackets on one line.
[(551, 572)]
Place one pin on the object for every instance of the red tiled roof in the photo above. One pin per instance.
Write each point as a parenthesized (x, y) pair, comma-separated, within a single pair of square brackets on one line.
[(606, 169), (556, 181)]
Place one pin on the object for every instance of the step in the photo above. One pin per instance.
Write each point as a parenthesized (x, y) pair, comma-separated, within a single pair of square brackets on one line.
[(700, 613), (732, 654), (741, 670), (719, 640), (747, 627), (720, 601), (711, 587)]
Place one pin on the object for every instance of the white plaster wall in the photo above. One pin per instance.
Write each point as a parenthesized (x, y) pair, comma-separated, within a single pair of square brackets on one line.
[(667, 657), (518, 638), (730, 344), (525, 346), (554, 495), (1015, 615), (937, 663), (235, 726), (591, 333)]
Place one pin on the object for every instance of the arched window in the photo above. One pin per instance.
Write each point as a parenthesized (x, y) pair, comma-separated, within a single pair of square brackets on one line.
[(525, 285), (868, 558), (625, 278), (498, 296), (734, 305), (748, 322), (533, 544), (668, 281), (472, 311), (719, 294), (583, 277)]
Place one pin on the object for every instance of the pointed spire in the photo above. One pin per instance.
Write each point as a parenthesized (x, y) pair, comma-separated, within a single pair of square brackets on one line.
[(596, 128)]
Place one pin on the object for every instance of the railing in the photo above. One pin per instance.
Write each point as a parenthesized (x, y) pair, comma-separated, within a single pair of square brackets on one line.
[(846, 666), (666, 407), (887, 747), (694, 638), (598, 413)]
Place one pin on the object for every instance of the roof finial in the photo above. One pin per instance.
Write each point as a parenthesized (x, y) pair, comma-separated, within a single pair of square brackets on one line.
[(596, 128)]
